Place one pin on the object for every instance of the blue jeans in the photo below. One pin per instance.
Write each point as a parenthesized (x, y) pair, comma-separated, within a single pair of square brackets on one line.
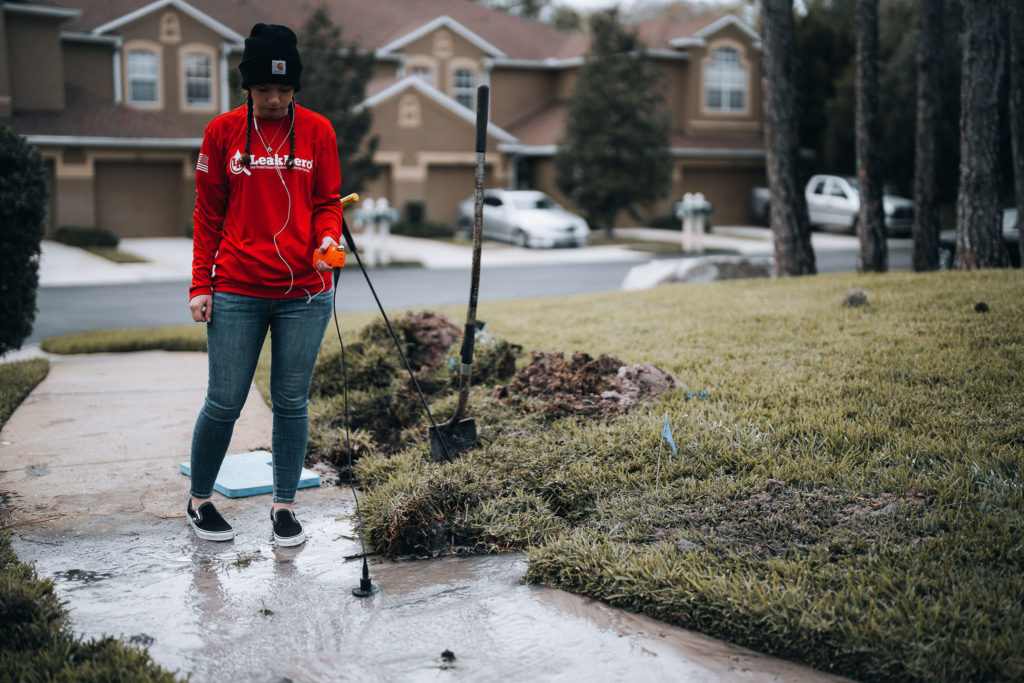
[(234, 339)]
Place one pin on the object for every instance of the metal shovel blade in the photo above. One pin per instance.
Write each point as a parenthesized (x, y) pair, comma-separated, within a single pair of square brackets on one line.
[(450, 438)]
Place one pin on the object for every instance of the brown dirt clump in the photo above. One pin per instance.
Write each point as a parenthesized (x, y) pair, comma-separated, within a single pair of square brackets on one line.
[(583, 385), (429, 335)]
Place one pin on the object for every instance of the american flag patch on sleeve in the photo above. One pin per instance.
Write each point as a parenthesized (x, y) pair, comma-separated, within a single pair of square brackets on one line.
[(203, 164)]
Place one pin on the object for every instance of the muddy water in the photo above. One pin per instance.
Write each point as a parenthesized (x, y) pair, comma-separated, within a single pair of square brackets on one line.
[(245, 610)]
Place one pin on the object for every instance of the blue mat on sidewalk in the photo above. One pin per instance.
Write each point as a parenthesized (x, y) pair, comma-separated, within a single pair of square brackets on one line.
[(250, 474)]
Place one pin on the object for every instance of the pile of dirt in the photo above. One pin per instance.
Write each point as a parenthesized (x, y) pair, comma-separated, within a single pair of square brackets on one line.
[(429, 335), (582, 385)]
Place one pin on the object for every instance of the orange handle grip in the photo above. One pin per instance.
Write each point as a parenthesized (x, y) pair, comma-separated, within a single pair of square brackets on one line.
[(349, 199)]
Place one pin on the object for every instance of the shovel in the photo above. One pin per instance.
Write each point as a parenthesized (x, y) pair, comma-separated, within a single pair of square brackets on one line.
[(459, 433)]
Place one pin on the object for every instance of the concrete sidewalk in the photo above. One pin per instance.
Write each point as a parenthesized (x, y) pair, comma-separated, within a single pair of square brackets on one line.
[(170, 258), (89, 472)]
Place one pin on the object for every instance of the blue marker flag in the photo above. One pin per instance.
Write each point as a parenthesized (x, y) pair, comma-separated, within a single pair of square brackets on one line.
[(666, 433)]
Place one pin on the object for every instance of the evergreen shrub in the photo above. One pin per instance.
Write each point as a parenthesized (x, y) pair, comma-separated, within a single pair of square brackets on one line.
[(23, 197), (77, 236)]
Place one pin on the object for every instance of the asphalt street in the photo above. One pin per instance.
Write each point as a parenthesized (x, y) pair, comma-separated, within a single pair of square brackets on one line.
[(68, 309)]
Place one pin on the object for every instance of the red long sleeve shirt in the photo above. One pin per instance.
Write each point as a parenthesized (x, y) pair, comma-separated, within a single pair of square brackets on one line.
[(255, 228)]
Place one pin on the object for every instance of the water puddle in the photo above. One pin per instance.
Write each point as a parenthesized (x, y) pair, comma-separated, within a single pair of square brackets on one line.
[(246, 610)]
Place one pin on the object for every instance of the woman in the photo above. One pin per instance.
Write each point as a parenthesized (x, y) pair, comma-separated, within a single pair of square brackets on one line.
[(267, 199)]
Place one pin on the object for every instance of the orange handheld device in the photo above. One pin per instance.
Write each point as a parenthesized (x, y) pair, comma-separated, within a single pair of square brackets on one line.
[(335, 255)]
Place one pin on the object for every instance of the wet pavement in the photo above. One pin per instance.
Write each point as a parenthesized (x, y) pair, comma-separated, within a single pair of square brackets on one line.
[(88, 465)]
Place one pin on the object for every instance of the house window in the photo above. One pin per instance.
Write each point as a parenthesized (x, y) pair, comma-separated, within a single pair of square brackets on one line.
[(425, 73), (464, 87), (198, 81), (143, 77), (725, 81)]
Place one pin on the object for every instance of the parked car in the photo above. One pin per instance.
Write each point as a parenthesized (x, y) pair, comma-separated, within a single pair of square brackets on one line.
[(834, 201), (1011, 238), (526, 218)]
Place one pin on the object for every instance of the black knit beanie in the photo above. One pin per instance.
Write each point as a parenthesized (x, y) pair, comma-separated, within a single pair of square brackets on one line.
[(271, 56)]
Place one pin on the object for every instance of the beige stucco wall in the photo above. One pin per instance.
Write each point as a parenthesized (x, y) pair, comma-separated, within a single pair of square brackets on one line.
[(152, 31), (674, 83), (419, 138), (516, 93), (94, 187), (444, 51), (34, 62), (89, 65)]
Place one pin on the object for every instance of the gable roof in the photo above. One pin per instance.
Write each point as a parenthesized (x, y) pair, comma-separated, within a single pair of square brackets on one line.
[(370, 24), (432, 93), (179, 5), (442, 22)]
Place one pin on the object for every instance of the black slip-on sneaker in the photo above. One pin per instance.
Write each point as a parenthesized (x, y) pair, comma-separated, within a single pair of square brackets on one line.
[(208, 524), (287, 530)]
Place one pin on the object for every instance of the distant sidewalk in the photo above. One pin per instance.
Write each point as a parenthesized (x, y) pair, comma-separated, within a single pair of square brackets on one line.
[(170, 258)]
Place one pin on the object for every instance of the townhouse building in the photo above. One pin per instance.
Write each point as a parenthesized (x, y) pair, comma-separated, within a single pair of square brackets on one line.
[(116, 93)]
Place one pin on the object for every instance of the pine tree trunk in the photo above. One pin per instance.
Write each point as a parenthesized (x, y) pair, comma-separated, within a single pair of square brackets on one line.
[(1017, 110), (925, 250), (979, 242), (791, 230), (874, 254)]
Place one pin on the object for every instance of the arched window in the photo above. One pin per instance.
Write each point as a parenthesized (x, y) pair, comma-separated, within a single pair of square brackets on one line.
[(198, 80), (464, 87), (725, 81), (143, 77)]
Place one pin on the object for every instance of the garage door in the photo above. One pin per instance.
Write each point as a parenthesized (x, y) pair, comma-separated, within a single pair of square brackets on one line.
[(140, 199), (727, 189), (446, 187)]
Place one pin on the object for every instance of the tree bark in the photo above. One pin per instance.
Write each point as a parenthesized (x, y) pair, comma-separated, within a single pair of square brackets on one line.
[(979, 242), (791, 230), (1016, 17), (874, 254), (925, 250)]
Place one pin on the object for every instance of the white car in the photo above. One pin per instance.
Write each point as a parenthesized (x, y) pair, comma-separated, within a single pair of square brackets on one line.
[(835, 201), (526, 218)]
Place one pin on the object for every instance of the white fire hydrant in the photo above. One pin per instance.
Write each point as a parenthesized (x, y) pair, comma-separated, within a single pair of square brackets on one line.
[(376, 217), (692, 211)]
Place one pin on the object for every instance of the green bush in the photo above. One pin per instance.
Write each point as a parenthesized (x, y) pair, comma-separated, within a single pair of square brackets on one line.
[(76, 236), (415, 212), (167, 338), (424, 229), (17, 380), (23, 197)]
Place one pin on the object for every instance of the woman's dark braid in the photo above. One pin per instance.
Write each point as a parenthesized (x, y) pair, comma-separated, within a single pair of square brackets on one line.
[(291, 135), (246, 159)]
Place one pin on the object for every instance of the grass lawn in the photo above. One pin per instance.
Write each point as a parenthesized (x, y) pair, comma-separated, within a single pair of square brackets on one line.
[(847, 491), (848, 494)]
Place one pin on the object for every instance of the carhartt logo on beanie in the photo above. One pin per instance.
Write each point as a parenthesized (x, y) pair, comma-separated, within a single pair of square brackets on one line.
[(271, 56)]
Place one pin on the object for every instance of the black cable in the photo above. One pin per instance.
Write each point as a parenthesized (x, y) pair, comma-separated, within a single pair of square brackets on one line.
[(365, 588), (398, 345)]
